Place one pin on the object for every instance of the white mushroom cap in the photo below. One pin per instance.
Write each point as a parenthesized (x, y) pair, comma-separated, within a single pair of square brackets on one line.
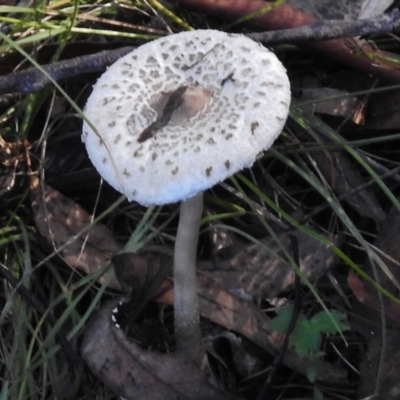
[(184, 112)]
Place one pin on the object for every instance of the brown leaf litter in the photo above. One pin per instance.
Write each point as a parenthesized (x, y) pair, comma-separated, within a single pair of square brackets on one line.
[(125, 367)]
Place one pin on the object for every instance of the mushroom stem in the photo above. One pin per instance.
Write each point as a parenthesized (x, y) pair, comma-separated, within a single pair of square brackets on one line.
[(186, 304)]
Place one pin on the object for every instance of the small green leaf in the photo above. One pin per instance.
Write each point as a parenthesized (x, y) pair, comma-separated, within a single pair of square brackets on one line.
[(323, 322), (306, 338), (281, 322)]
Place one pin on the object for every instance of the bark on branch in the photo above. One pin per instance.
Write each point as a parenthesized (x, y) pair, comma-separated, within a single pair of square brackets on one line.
[(349, 51), (289, 25)]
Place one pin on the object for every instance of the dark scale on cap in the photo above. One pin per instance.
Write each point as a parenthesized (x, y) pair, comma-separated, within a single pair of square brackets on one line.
[(253, 126), (107, 100)]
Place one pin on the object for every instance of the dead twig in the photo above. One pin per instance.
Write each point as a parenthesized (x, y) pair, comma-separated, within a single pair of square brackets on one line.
[(331, 29), (348, 50), (33, 80)]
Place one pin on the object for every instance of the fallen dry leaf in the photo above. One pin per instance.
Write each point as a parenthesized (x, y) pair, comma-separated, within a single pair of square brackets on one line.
[(134, 373), (368, 295), (328, 101), (257, 271), (137, 271), (60, 220)]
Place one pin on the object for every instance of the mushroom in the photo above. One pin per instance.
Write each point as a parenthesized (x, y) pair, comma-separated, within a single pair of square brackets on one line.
[(175, 117)]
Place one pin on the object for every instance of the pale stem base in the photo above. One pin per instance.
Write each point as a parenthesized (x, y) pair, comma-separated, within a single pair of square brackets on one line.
[(186, 303)]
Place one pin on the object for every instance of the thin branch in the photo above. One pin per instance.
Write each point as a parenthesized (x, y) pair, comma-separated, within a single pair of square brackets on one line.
[(32, 80), (331, 29), (359, 55)]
